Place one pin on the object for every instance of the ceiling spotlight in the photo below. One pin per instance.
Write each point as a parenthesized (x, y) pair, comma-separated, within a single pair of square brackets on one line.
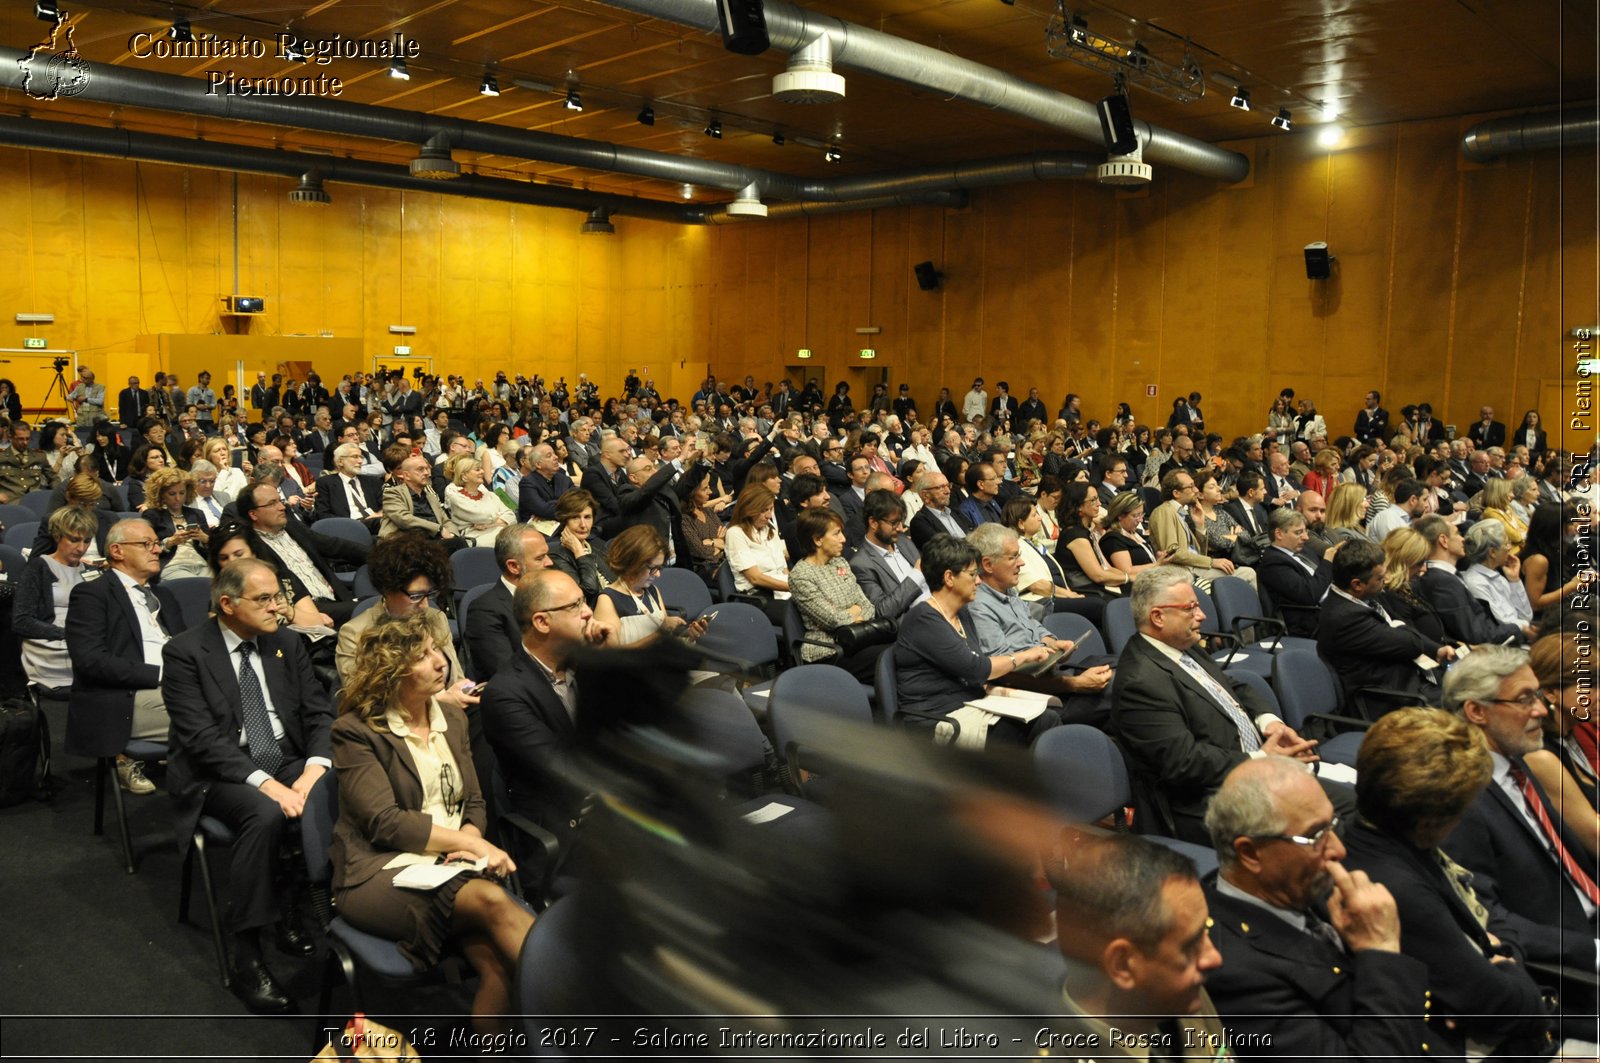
[(1078, 30), (47, 11), (1139, 55), (777, 138), (598, 224), (574, 101), (831, 155), (1281, 120), (1241, 98), (490, 86), (714, 130), (310, 190), (647, 115), (397, 68), (292, 52), (1330, 136), (181, 31)]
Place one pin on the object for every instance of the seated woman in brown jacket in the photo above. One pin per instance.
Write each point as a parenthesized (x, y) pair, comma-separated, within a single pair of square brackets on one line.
[(408, 794)]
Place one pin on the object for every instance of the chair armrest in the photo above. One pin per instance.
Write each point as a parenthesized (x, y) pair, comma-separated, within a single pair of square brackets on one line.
[(1362, 697), (934, 718), (1338, 724), (547, 843), (1272, 624)]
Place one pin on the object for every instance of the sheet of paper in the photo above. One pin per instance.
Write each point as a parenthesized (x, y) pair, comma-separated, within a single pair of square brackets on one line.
[(768, 813)]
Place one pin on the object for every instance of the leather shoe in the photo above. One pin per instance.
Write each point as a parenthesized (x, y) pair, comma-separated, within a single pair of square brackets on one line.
[(254, 985), (292, 941)]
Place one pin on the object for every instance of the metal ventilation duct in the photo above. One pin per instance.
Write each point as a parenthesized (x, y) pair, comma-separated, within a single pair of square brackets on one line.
[(792, 28), (1569, 127)]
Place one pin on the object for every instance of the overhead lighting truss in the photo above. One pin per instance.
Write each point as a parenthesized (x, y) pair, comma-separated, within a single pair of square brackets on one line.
[(1068, 36)]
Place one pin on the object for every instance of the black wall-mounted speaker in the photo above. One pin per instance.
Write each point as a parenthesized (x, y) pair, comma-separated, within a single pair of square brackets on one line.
[(1116, 125), (744, 26), (927, 276), (1319, 264)]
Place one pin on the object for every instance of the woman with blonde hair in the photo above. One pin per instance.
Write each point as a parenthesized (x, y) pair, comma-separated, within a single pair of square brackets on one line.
[(1347, 507), (1324, 472), (1497, 506), (179, 526), (476, 513), (756, 554), (409, 795), (230, 481), (1405, 554)]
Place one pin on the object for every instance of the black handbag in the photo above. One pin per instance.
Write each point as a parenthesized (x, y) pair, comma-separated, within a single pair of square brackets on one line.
[(858, 636)]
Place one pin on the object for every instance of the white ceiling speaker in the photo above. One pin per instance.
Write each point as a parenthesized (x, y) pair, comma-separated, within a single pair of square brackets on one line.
[(810, 77)]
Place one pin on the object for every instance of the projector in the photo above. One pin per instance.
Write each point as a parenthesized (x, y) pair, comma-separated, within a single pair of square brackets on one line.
[(244, 304)]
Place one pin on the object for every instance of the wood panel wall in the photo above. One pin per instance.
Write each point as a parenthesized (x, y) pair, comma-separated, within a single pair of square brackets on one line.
[(1454, 284)]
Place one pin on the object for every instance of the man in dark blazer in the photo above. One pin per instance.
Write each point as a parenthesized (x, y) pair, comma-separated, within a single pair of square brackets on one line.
[(530, 710), (1466, 618), (1513, 835), (1372, 422), (131, 402), (1487, 432), (347, 492), (1291, 577), (937, 516), (492, 635), (1356, 637), (249, 740), (263, 396), (888, 565), (116, 627), (1311, 957), (1182, 720), (291, 546), (645, 496), (604, 477)]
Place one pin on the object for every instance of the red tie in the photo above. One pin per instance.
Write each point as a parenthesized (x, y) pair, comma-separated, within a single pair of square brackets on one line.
[(1575, 874)]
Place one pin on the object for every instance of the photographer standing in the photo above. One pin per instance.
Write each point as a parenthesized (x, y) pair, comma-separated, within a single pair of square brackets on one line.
[(89, 398)]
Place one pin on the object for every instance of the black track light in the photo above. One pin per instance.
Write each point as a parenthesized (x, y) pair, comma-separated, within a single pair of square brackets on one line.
[(397, 69), (1282, 121), (831, 155), (1078, 30), (490, 86), (47, 11), (574, 101), (777, 138), (647, 115), (181, 31), (714, 130), (1241, 98), (292, 52)]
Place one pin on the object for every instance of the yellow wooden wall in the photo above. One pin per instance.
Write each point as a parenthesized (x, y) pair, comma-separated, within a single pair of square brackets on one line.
[(125, 253), (1454, 284)]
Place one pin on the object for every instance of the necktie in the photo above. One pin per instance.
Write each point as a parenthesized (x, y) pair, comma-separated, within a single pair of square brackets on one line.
[(257, 725), (358, 505), (1318, 927), (1249, 740), (152, 603), (1576, 875), (214, 509), (1250, 518)]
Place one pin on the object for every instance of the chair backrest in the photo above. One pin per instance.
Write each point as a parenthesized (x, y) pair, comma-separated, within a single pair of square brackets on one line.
[(740, 633), (11, 562), (885, 685), (20, 534), (721, 724), (317, 818), (11, 513), (344, 528), (684, 592), (726, 588), (1078, 629), (466, 603), (1233, 598), (1082, 772), (1305, 685), (194, 598), (474, 567), (794, 632), (1261, 685), (1119, 624), (362, 586), (806, 693), (1211, 624), (366, 603), (548, 971), (312, 459), (38, 503), (1152, 498)]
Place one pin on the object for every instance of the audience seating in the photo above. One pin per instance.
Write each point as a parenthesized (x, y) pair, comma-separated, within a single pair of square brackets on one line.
[(811, 706), (11, 513), (741, 635), (1308, 693), (361, 583), (1119, 624), (364, 605), (546, 989), (209, 832), (37, 503), (194, 598), (473, 567), (347, 528), (11, 561), (1240, 613), (684, 593), (20, 534)]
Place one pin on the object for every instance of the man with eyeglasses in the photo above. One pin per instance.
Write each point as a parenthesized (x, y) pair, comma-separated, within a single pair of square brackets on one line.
[(1311, 960), (888, 566), (289, 544), (249, 740), (937, 517), (1173, 532), (410, 504), (1361, 641), (1514, 838), (1183, 721), (116, 628), (530, 710)]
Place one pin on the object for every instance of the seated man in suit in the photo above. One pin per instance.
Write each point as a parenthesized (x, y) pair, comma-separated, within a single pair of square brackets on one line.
[(1183, 721), (936, 517), (1293, 579), (250, 739), (492, 634), (1172, 531), (1513, 838), (982, 504), (1131, 922), (116, 627), (410, 504), (1465, 618), (544, 484), (348, 492), (289, 544), (1311, 960), (1361, 642), (529, 711), (888, 566), (604, 477)]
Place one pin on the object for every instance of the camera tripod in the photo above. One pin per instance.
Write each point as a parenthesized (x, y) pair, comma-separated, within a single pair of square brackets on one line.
[(58, 384)]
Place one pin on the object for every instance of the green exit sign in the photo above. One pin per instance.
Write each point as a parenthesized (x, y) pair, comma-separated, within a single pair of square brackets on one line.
[(868, 352), (35, 343)]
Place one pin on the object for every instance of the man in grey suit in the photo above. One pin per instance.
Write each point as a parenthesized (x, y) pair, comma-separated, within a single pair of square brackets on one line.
[(888, 564)]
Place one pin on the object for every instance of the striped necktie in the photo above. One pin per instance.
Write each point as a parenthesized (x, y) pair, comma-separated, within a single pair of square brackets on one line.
[(1576, 875)]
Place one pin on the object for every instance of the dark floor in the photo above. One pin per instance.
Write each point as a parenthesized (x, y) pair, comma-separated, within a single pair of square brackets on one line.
[(95, 965)]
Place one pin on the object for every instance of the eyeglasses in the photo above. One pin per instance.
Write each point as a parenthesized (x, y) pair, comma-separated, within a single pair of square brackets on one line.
[(1317, 841), (143, 544), (261, 600), (559, 608), (449, 791), (1526, 701), (418, 597), (1188, 607)]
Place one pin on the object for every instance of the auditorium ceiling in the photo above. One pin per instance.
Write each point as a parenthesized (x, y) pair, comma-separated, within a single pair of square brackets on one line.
[(1366, 61)]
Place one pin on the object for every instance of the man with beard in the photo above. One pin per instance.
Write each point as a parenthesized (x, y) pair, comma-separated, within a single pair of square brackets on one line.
[(1311, 961)]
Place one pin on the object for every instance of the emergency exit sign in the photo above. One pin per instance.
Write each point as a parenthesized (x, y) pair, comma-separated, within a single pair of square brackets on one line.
[(35, 343)]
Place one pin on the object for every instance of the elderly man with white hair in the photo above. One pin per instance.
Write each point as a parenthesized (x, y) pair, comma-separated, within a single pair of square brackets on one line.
[(1494, 573)]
